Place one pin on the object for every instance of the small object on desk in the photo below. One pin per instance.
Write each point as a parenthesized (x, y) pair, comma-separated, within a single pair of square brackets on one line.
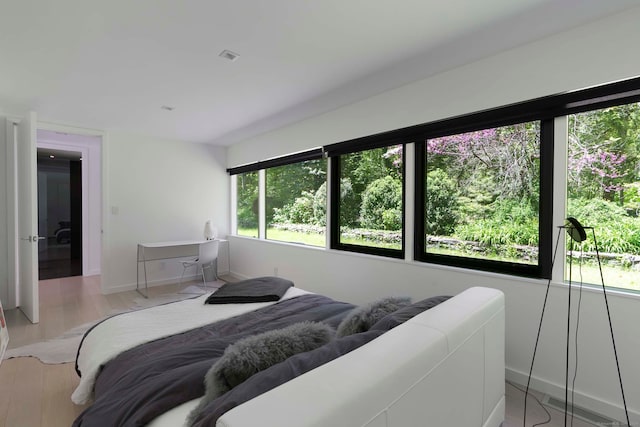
[(210, 232)]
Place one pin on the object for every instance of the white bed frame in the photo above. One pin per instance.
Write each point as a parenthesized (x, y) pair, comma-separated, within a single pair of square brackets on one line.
[(444, 367)]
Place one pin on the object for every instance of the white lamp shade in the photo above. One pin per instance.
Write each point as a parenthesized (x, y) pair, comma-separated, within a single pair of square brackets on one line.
[(210, 232)]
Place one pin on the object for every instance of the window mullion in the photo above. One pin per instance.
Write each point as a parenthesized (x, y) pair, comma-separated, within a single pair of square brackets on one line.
[(409, 201), (234, 204), (560, 130), (329, 218), (262, 209)]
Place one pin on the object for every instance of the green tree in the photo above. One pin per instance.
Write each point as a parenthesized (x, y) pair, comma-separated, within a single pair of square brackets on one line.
[(381, 207), (603, 152), (247, 203), (441, 204), (285, 184), (358, 170)]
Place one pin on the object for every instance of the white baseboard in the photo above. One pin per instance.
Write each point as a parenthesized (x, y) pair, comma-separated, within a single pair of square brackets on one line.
[(150, 284), (614, 410), (237, 275)]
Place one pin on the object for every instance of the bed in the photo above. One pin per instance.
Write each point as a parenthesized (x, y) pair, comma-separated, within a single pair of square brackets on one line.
[(442, 366)]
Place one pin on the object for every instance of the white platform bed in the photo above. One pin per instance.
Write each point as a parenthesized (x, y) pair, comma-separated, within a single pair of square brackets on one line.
[(443, 367)]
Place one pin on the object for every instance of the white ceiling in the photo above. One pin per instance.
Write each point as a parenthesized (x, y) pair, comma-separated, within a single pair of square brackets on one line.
[(112, 64)]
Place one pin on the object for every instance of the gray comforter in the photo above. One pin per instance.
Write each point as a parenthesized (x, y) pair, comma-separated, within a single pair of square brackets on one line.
[(148, 380)]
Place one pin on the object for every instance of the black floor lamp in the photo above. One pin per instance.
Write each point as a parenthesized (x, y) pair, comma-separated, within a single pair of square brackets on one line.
[(578, 235)]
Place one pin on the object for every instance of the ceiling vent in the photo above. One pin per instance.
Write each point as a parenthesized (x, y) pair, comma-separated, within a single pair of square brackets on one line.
[(227, 54)]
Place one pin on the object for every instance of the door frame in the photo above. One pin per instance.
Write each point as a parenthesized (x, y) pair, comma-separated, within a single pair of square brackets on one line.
[(12, 194), (89, 146), (13, 269), (92, 186)]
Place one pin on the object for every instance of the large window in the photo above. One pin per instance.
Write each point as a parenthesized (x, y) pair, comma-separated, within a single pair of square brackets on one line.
[(369, 199), (482, 197), (484, 188), (296, 202), (603, 192), (247, 208)]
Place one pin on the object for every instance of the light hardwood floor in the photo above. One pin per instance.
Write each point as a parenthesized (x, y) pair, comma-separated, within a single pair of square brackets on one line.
[(33, 394)]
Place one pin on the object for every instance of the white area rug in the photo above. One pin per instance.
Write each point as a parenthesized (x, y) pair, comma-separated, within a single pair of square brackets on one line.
[(63, 348)]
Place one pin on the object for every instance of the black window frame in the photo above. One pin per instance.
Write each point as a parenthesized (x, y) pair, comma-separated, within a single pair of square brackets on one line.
[(335, 152), (545, 213), (544, 110), (313, 154), (285, 161)]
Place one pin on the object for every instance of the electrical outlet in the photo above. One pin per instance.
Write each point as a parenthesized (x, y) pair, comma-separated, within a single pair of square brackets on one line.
[(162, 265), (275, 271)]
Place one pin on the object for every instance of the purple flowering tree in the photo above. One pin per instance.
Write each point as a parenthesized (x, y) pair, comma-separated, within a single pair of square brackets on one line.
[(602, 152)]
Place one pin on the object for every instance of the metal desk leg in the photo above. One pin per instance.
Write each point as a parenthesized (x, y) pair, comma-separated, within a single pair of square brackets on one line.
[(144, 262)]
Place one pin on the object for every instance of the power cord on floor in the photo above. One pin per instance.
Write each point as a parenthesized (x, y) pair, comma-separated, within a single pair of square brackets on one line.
[(548, 420), (575, 371)]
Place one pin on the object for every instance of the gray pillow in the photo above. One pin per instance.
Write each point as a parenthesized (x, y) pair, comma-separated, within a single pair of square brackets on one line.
[(400, 316), (279, 374), (360, 319), (255, 353)]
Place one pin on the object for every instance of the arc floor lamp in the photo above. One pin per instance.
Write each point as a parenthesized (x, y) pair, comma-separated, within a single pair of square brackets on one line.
[(577, 234)]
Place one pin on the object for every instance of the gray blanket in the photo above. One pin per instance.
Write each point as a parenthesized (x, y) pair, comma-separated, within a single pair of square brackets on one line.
[(148, 380)]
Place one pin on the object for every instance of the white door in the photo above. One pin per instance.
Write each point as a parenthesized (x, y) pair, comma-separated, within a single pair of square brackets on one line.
[(28, 218)]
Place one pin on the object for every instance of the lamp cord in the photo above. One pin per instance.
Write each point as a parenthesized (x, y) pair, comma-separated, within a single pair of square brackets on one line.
[(566, 372), (613, 340), (535, 348), (548, 420), (575, 371)]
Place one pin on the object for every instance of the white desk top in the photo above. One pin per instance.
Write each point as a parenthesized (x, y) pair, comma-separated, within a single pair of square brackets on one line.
[(174, 243)]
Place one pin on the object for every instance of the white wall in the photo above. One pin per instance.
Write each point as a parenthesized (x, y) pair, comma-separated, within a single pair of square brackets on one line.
[(157, 190), (597, 53)]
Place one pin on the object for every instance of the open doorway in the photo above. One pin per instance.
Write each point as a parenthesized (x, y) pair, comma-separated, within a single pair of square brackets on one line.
[(71, 184), (59, 213)]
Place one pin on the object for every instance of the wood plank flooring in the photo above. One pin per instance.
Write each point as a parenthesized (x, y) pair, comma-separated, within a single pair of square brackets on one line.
[(33, 394)]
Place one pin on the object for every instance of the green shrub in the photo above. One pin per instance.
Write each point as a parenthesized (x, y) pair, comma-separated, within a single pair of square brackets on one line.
[(247, 216), (509, 222), (382, 204), (441, 203), (320, 205), (616, 232), (298, 212), (592, 211)]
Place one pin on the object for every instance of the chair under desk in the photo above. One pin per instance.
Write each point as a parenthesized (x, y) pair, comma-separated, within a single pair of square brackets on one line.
[(175, 249)]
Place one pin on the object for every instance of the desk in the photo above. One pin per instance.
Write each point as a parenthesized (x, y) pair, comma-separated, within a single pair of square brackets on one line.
[(167, 250)]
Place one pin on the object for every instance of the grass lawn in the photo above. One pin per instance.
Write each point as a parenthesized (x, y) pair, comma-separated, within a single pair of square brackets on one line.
[(614, 277), (311, 239), (286, 236)]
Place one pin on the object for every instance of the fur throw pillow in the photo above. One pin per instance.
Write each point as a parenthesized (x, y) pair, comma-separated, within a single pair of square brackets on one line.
[(360, 319), (255, 353)]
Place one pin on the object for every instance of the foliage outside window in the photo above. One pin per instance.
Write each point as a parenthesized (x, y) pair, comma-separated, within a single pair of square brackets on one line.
[(482, 194), (296, 202), (603, 192), (247, 204), (371, 198)]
